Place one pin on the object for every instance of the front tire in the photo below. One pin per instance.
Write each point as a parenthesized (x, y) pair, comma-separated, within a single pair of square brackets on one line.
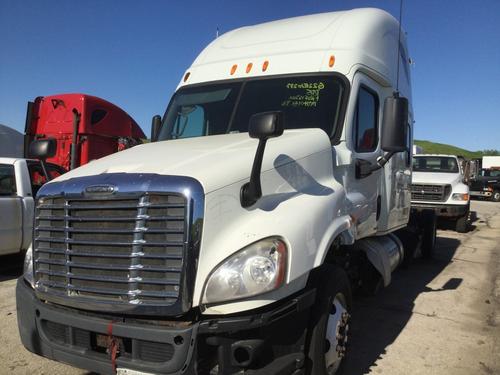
[(495, 197), (462, 224), (330, 317)]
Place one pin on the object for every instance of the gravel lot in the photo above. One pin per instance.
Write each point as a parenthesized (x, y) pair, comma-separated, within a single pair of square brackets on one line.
[(437, 317)]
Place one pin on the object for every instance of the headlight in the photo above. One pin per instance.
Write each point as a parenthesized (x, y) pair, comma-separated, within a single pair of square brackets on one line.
[(257, 268), (28, 267), (460, 197)]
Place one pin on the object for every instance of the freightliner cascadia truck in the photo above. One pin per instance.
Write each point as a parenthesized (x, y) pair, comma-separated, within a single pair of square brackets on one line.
[(278, 181)]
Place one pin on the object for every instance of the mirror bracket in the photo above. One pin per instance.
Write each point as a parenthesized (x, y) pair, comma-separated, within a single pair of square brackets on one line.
[(42, 149), (263, 126), (364, 168), (381, 161)]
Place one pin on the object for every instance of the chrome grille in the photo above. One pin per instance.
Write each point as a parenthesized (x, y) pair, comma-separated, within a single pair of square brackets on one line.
[(430, 193), (121, 250)]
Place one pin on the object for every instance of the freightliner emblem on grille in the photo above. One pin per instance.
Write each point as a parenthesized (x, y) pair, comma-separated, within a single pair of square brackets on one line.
[(100, 189)]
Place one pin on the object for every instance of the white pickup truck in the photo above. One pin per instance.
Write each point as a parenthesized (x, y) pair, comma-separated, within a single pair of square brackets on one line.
[(20, 180), (438, 183)]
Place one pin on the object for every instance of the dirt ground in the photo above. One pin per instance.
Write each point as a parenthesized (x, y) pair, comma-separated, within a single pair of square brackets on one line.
[(440, 316), (437, 317)]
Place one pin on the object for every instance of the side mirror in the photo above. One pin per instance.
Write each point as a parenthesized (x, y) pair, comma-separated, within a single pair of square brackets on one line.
[(155, 127), (266, 125), (42, 149), (395, 124), (262, 126)]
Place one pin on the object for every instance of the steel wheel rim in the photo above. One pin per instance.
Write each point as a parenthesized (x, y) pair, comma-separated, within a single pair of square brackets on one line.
[(336, 334)]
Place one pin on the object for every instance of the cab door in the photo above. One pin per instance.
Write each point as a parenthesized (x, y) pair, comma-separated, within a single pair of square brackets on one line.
[(11, 212), (363, 190)]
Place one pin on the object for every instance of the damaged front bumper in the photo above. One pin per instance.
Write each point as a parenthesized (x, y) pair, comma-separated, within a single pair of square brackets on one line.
[(269, 341)]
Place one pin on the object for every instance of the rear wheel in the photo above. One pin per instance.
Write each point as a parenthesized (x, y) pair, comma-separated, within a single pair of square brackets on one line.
[(495, 197), (329, 325)]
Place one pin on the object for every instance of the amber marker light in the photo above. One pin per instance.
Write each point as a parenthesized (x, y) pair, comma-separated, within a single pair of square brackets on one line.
[(331, 62), (265, 65), (233, 69), (186, 76), (249, 67)]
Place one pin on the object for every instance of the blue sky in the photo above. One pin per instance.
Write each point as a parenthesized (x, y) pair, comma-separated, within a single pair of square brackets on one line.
[(133, 53)]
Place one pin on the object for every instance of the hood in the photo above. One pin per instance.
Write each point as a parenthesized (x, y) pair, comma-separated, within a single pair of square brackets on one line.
[(215, 161), (436, 178), (487, 179)]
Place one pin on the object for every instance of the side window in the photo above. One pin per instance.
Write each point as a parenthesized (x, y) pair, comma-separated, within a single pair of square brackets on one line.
[(37, 176), (97, 115), (54, 170), (190, 122), (7, 180), (365, 121)]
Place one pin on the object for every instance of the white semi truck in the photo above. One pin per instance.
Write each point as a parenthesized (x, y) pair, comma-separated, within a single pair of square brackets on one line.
[(277, 181)]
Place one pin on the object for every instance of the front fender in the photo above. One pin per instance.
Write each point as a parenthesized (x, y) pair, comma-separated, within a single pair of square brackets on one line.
[(343, 228), (301, 202)]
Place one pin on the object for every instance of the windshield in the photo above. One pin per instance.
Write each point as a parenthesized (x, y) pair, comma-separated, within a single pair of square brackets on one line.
[(491, 172), (435, 164), (306, 102)]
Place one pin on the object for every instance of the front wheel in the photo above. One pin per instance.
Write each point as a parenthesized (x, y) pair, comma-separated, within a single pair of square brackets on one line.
[(329, 326), (462, 224), (495, 197)]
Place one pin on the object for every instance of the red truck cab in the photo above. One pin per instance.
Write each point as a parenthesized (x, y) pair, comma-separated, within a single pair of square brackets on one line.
[(85, 127)]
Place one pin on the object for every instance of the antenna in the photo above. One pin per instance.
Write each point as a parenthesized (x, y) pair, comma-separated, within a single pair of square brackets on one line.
[(399, 42)]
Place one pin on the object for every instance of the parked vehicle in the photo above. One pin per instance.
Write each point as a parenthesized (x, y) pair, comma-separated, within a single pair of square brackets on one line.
[(81, 127), (485, 178), (20, 180), (84, 126), (439, 183), (287, 186)]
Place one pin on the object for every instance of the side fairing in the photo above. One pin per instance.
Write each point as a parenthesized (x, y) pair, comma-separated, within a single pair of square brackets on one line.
[(396, 194)]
